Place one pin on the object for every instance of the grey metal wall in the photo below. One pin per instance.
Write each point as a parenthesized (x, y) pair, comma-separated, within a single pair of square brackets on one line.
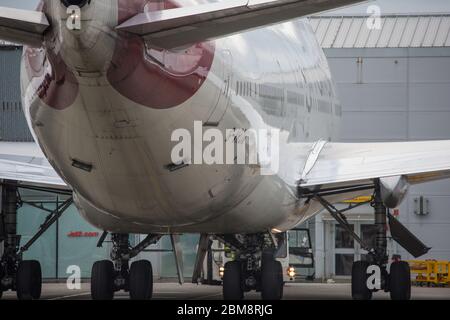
[(13, 125), (398, 95)]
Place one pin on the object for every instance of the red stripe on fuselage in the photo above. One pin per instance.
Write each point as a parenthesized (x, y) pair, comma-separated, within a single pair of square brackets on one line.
[(152, 77)]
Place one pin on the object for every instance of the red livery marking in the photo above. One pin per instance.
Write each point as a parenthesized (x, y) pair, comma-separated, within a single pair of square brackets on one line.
[(50, 78), (81, 234), (152, 77), (52, 81), (56, 85)]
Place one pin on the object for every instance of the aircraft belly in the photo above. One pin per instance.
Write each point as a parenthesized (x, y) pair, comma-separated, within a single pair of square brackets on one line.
[(254, 214)]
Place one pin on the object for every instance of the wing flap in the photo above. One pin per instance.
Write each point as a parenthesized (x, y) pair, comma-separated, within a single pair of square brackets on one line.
[(22, 26), (25, 163), (361, 162), (182, 26)]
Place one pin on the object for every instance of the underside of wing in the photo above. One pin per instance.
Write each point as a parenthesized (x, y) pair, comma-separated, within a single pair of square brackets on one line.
[(24, 163), (22, 26), (355, 163), (186, 25)]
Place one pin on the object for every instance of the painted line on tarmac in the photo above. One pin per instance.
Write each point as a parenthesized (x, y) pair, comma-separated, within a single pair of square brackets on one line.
[(70, 296), (204, 297)]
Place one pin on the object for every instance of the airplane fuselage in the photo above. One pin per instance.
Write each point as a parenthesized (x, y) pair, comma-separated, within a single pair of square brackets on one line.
[(103, 106)]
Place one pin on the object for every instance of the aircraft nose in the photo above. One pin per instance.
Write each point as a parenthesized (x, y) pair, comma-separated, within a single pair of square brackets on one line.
[(78, 3)]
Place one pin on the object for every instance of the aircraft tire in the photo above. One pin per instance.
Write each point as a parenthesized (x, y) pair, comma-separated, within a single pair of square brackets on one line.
[(360, 291), (102, 280), (400, 281), (272, 283), (232, 281), (29, 280), (141, 280)]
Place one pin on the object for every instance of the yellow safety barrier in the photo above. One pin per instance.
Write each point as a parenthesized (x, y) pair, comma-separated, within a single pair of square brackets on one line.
[(431, 272)]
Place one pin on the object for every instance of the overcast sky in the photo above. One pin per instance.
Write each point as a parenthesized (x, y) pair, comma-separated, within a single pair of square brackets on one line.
[(387, 6)]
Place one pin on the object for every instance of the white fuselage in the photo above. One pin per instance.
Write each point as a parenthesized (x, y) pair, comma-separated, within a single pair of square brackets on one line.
[(88, 101)]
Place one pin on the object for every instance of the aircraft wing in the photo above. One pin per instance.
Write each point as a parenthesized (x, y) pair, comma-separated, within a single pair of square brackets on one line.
[(359, 163), (186, 25), (25, 163), (23, 26)]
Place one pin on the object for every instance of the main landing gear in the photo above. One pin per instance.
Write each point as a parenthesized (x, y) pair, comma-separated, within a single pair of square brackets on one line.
[(110, 276), (16, 274), (255, 267), (372, 275)]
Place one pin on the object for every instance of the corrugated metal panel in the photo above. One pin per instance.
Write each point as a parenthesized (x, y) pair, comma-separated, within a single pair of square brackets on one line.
[(419, 34), (314, 24), (12, 122), (353, 32), (431, 33), (13, 126), (447, 43), (332, 32), (363, 35), (443, 32), (9, 75), (386, 33), (397, 31), (374, 35), (410, 30), (322, 29), (342, 33)]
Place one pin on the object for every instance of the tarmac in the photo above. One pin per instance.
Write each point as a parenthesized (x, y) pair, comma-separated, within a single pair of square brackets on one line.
[(293, 291)]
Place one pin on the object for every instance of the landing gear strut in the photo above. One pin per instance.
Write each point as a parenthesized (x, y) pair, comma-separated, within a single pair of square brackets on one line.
[(255, 267), (110, 276), (16, 274), (398, 282)]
